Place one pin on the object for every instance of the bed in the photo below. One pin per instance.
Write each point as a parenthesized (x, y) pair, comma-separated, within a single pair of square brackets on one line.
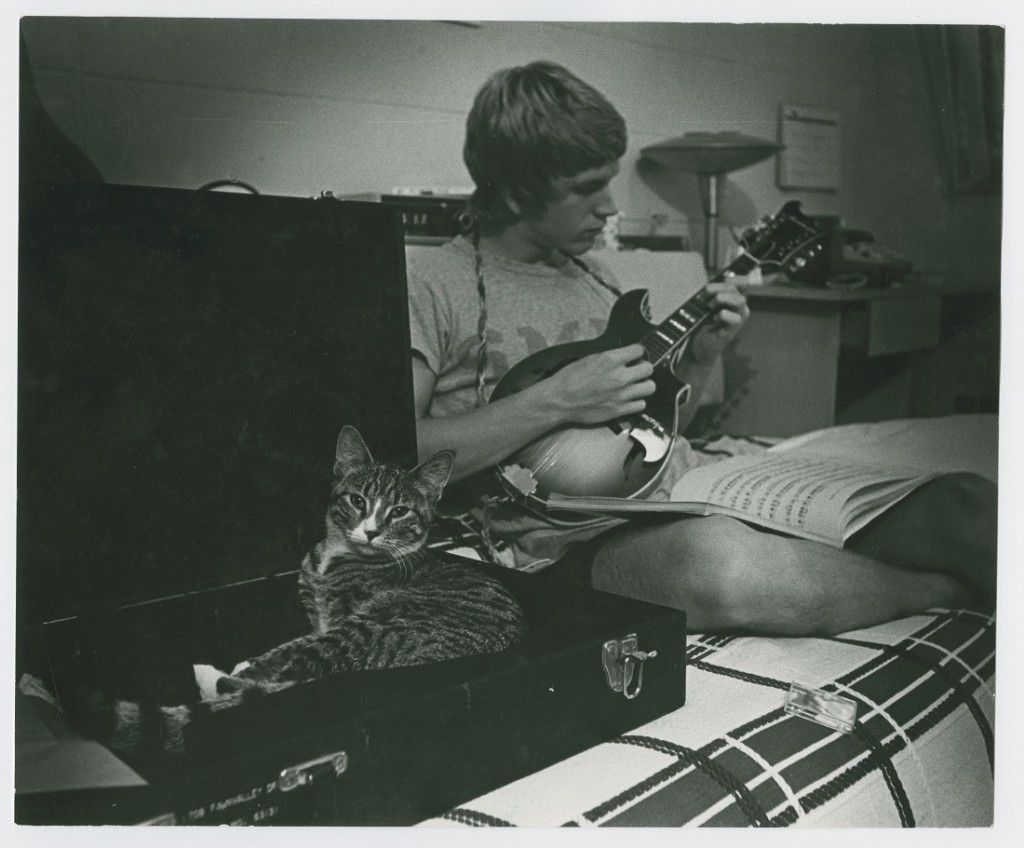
[(921, 753)]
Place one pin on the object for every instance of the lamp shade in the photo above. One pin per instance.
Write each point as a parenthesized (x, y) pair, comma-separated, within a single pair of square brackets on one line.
[(710, 153)]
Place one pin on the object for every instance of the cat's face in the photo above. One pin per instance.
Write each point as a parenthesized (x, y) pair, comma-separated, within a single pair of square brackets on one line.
[(379, 512)]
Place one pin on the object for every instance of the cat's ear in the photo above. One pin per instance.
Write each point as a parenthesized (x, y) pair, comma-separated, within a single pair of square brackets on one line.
[(433, 473), (351, 452)]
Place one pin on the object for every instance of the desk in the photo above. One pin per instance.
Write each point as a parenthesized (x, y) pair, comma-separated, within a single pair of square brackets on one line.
[(810, 358)]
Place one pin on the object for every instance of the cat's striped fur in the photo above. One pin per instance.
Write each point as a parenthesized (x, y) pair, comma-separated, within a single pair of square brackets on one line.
[(374, 596)]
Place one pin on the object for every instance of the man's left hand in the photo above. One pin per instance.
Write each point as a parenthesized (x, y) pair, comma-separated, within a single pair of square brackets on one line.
[(732, 313)]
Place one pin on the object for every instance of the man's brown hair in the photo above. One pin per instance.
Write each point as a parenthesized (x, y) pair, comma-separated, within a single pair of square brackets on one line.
[(528, 126)]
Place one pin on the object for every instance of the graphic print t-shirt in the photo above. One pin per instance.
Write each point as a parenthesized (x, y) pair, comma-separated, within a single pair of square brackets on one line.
[(529, 308)]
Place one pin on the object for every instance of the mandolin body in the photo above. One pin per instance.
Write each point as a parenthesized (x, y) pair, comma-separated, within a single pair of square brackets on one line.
[(623, 458)]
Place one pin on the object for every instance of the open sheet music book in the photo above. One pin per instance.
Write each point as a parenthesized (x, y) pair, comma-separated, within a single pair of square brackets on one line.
[(824, 485), (800, 493)]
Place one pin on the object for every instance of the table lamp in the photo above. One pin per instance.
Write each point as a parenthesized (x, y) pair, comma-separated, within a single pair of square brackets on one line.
[(710, 155)]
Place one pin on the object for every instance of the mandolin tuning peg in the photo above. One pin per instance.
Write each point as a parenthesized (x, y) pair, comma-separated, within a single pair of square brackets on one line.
[(754, 230)]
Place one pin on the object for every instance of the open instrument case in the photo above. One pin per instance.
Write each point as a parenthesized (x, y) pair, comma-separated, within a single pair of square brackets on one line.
[(186, 362)]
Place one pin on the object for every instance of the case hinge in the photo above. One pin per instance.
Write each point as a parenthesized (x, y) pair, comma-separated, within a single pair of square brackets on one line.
[(621, 658), (304, 773)]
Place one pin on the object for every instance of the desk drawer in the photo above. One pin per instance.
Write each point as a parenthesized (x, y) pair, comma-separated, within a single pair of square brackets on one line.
[(881, 327)]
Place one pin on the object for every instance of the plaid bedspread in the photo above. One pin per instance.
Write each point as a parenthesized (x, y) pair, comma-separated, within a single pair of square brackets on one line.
[(920, 754)]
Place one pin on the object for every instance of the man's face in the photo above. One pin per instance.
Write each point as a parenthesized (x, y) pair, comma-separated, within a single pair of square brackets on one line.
[(576, 216)]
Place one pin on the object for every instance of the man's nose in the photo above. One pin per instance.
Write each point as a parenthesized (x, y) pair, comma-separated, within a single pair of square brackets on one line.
[(605, 205)]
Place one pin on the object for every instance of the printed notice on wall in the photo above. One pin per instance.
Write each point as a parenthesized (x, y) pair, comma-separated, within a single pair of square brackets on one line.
[(810, 158)]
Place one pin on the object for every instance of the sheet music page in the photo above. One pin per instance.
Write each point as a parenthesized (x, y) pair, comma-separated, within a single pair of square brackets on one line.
[(944, 444), (802, 492)]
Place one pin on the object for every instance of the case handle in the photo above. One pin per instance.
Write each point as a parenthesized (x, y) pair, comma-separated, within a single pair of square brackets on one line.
[(302, 774)]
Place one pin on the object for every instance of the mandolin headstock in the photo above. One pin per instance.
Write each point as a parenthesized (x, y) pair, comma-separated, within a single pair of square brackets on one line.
[(786, 241)]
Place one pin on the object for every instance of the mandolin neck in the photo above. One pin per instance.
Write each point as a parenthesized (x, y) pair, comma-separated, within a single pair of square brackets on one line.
[(739, 267), (661, 341)]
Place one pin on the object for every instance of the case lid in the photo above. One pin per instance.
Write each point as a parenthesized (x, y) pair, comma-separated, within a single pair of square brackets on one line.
[(186, 361)]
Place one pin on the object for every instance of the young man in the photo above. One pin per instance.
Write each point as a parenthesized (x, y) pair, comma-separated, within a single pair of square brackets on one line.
[(542, 148)]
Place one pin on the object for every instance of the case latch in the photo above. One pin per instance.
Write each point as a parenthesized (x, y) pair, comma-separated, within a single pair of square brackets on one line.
[(621, 658), (304, 773)]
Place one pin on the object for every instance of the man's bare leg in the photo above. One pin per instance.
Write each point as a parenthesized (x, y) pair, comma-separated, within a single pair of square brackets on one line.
[(948, 525), (730, 577)]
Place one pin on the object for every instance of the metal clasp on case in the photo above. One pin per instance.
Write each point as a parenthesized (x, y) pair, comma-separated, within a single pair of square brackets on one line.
[(621, 658), (304, 773)]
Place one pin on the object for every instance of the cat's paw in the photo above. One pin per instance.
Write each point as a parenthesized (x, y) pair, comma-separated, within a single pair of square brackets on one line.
[(242, 666), (206, 679)]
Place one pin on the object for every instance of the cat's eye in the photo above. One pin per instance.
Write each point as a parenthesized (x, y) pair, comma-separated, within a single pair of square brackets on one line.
[(398, 512), (358, 501)]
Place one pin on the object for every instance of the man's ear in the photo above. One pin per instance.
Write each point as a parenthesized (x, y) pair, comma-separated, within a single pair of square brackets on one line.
[(511, 204)]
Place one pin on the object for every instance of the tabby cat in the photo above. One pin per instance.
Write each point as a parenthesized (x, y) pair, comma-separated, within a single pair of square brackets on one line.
[(374, 596)]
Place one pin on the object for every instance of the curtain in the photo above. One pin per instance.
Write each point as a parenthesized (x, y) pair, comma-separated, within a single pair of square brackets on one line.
[(965, 69)]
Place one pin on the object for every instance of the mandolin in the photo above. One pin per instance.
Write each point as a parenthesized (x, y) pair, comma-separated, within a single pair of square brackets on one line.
[(626, 457)]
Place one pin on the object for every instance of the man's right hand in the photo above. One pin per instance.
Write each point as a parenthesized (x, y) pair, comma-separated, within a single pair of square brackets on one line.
[(592, 390), (602, 387)]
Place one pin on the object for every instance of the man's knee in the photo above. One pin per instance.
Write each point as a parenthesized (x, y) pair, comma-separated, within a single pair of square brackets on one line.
[(760, 582), (678, 563), (725, 574), (725, 554)]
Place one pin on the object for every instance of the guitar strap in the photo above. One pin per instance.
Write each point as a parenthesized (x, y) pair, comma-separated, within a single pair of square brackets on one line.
[(586, 269), (481, 324)]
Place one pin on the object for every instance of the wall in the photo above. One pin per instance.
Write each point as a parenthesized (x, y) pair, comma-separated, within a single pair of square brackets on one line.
[(298, 107)]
